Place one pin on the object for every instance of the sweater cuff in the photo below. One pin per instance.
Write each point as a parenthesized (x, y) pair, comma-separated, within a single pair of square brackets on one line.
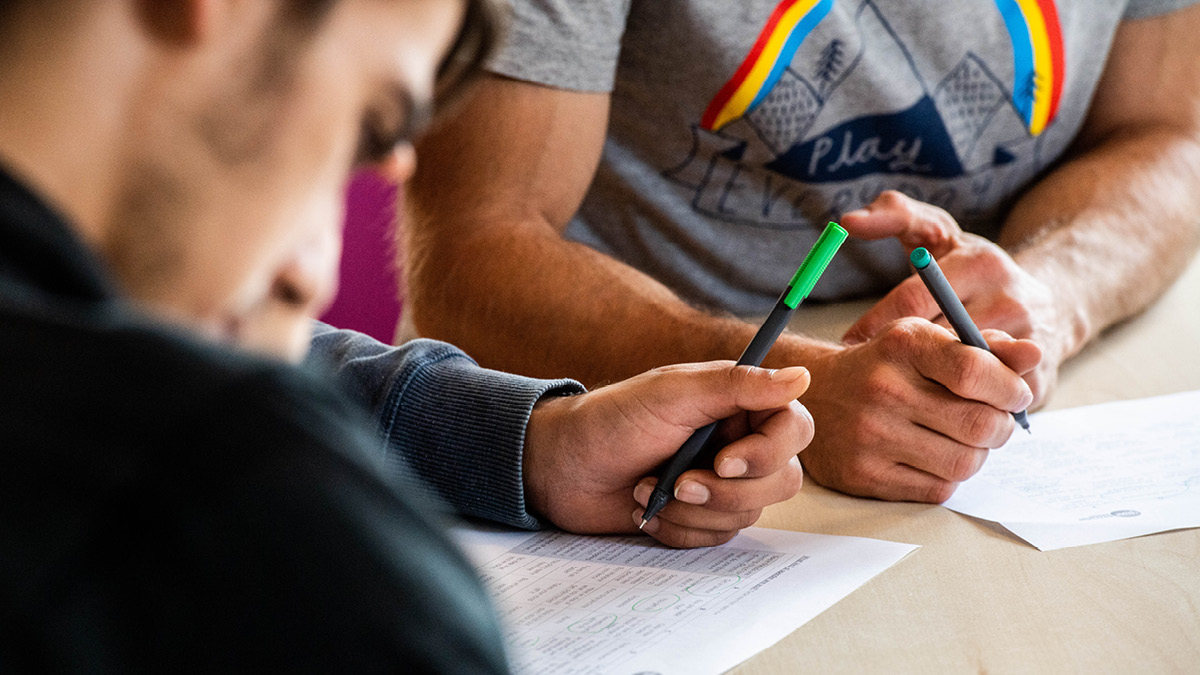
[(462, 429)]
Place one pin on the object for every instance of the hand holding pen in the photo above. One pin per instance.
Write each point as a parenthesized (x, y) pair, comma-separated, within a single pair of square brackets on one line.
[(952, 308), (696, 450)]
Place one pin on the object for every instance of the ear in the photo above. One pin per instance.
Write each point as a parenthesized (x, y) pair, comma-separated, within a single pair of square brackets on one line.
[(178, 22)]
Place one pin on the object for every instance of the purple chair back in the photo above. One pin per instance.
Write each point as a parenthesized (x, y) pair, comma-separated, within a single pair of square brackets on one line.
[(369, 287)]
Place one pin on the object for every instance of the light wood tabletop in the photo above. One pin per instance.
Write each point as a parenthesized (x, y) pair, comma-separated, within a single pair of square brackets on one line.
[(975, 598)]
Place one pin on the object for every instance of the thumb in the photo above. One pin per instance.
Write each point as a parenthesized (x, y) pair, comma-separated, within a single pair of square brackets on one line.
[(909, 298), (914, 223), (695, 394)]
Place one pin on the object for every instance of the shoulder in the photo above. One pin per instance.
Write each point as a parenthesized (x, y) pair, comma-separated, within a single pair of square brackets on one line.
[(202, 496)]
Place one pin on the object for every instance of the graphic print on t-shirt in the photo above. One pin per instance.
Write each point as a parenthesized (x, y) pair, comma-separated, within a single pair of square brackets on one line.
[(770, 149)]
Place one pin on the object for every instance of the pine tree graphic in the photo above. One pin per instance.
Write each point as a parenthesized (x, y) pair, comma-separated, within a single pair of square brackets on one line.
[(829, 64), (1029, 91)]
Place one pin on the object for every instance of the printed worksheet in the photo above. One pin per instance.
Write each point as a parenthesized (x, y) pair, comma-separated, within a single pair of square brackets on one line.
[(572, 604), (1094, 474)]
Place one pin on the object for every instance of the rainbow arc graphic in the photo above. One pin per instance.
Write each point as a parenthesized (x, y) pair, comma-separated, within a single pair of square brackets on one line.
[(785, 31), (1038, 59), (1033, 28)]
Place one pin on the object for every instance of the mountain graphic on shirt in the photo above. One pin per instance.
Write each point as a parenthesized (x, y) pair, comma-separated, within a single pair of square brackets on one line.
[(905, 126)]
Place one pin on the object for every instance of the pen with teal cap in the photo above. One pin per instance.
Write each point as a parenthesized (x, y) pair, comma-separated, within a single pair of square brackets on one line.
[(797, 290), (947, 300)]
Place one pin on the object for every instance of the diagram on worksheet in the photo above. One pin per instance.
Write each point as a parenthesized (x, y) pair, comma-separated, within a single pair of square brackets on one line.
[(604, 600), (574, 604)]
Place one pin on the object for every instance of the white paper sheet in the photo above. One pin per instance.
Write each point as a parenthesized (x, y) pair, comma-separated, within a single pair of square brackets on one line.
[(572, 604), (1093, 474)]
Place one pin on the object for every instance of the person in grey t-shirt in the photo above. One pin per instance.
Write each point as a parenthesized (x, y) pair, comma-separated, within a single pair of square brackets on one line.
[(638, 173)]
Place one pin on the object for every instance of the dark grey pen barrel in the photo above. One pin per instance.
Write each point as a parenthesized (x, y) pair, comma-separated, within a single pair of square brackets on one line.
[(682, 459), (688, 453), (765, 338), (947, 300)]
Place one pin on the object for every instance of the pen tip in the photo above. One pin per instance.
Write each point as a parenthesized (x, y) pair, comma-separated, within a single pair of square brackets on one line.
[(643, 524), (1028, 431)]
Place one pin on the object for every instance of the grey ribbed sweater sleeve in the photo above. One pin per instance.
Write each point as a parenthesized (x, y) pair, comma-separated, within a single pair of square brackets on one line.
[(459, 427)]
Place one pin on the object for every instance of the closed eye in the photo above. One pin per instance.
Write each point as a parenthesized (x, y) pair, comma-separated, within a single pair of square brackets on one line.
[(396, 122)]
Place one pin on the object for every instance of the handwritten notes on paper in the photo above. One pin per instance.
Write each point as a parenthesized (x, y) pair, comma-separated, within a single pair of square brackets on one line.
[(572, 604), (1094, 474)]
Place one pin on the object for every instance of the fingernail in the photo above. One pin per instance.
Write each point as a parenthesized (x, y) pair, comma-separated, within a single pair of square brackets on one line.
[(691, 492), (789, 374), (651, 527), (732, 467), (641, 492), (857, 213)]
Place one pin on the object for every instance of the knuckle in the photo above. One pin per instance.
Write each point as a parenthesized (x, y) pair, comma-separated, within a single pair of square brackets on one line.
[(894, 199), (939, 491), (962, 465), (946, 222), (988, 261), (880, 385), (971, 372), (902, 335), (739, 376), (981, 425)]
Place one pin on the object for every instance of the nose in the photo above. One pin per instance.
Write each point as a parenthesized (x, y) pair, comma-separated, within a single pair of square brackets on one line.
[(399, 165)]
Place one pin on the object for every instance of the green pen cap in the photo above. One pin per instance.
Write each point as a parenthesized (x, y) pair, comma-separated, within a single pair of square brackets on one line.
[(920, 258), (814, 264)]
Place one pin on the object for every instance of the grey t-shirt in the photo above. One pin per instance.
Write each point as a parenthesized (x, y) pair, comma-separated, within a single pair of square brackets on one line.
[(739, 128)]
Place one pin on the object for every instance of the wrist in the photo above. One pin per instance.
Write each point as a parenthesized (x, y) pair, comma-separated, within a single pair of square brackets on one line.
[(798, 350), (1071, 325), (538, 457), (821, 358)]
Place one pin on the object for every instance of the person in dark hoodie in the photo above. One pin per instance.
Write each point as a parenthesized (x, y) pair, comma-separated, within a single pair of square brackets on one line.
[(176, 493)]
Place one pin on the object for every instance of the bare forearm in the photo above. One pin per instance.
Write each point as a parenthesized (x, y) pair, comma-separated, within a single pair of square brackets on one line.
[(1111, 229), (547, 305)]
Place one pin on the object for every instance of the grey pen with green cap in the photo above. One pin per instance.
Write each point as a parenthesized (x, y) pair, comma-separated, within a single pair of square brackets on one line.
[(797, 290), (947, 300)]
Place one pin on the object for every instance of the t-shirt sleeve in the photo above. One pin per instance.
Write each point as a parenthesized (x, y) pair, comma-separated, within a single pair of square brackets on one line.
[(458, 427), (568, 44), (1141, 9)]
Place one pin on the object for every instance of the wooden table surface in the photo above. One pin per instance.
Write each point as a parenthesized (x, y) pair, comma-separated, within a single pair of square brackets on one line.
[(975, 598)]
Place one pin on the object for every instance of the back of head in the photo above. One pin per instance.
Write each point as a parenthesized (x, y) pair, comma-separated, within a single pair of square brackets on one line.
[(171, 177)]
